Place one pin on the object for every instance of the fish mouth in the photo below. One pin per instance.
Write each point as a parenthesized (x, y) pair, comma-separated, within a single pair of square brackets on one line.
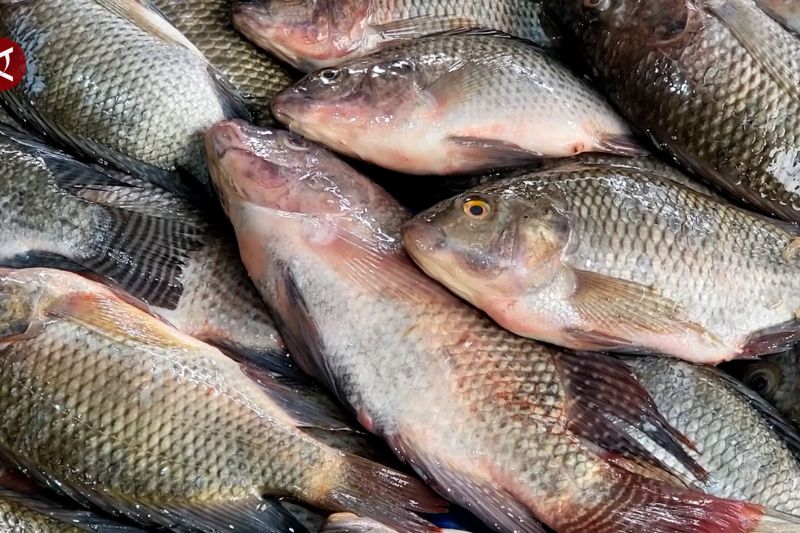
[(287, 105), (423, 238)]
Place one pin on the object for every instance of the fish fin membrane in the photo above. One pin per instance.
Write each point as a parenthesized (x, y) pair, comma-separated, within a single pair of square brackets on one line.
[(299, 329), (486, 153), (350, 523), (786, 431), (234, 104), (308, 406), (77, 518), (422, 26), (485, 498), (371, 489), (642, 504), (167, 179), (628, 308), (145, 16), (772, 340), (625, 145), (605, 399), (145, 255), (746, 22), (277, 362)]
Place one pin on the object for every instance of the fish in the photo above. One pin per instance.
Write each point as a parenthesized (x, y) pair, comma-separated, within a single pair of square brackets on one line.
[(113, 407), (747, 448), (614, 259), (453, 104), (127, 89), (45, 222), (314, 34), (513, 430), (207, 24), (695, 76), (218, 303), (787, 12), (350, 523), (776, 379)]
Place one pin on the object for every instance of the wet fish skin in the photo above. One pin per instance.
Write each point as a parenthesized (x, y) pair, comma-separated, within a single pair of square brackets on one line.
[(45, 222), (775, 378), (313, 34), (695, 75), (787, 12), (144, 421), (142, 98), (454, 103), (479, 411), (207, 23), (712, 411), (607, 258), (219, 303)]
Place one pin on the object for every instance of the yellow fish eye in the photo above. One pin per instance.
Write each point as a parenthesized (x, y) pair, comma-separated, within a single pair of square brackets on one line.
[(477, 208)]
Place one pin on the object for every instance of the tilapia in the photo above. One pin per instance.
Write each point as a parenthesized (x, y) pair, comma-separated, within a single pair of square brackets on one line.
[(313, 34), (46, 223), (716, 83), (207, 24), (748, 451), (114, 81), (787, 12), (454, 103), (218, 303), (514, 430), (775, 378), (113, 407), (607, 258)]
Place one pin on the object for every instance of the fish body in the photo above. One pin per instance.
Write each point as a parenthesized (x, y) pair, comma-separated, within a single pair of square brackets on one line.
[(713, 82), (775, 378), (127, 89), (45, 222), (312, 34), (218, 303), (746, 448), (454, 103), (608, 258), (484, 415), (207, 24), (112, 406), (787, 12)]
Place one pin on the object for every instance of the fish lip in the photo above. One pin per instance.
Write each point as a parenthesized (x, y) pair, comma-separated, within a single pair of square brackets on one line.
[(423, 237), (225, 136)]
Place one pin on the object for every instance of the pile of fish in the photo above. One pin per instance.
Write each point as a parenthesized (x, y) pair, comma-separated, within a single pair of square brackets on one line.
[(401, 266)]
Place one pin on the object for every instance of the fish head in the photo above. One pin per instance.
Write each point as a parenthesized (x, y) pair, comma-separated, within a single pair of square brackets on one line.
[(283, 173), (626, 21), (488, 242), (308, 34), (20, 297), (776, 378), (339, 106)]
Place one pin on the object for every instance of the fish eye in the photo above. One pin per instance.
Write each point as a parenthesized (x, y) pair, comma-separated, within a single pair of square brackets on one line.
[(330, 75), (763, 381), (477, 208), (601, 5), (296, 143)]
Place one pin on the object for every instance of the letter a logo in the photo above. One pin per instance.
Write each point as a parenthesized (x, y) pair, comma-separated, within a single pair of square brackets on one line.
[(12, 64)]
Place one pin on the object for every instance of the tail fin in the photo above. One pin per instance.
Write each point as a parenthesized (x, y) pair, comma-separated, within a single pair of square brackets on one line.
[(144, 254), (383, 494), (642, 504)]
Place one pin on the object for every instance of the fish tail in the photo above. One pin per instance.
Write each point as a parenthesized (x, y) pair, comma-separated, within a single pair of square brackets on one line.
[(393, 498), (143, 254), (643, 504)]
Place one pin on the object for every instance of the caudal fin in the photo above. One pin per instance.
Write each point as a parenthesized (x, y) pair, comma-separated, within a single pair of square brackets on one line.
[(385, 495), (143, 254), (641, 504)]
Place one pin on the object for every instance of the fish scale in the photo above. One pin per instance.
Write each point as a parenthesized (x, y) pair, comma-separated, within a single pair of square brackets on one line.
[(207, 23), (705, 93), (108, 88)]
